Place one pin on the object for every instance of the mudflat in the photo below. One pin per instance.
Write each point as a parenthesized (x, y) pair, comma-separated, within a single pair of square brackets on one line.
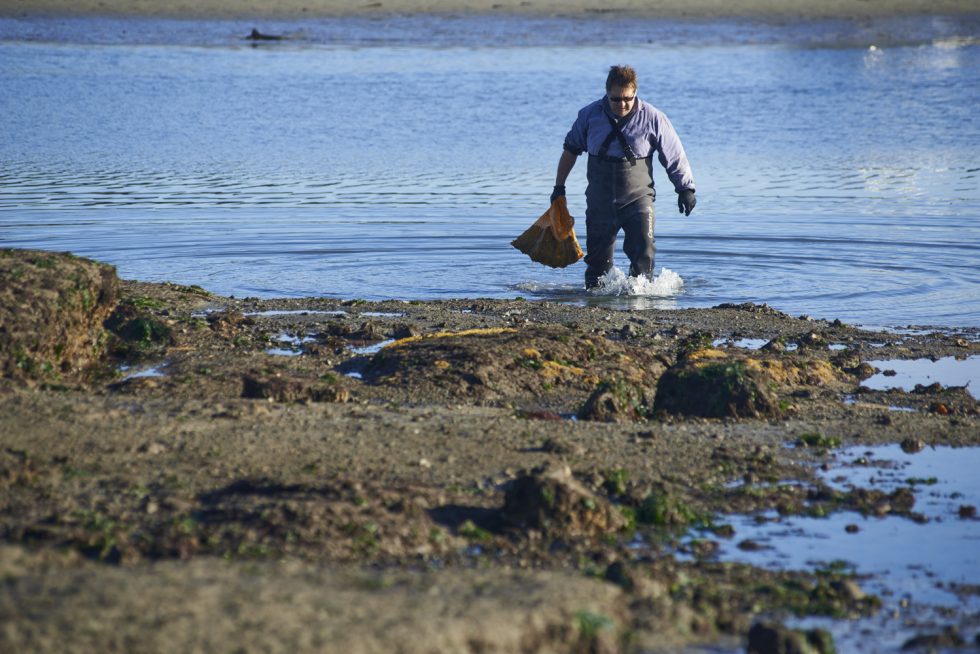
[(190, 471)]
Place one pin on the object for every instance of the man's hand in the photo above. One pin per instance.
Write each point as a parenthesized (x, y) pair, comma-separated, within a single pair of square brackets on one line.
[(686, 202), (558, 192)]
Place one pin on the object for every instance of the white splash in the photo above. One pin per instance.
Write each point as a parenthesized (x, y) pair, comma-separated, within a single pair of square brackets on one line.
[(616, 282)]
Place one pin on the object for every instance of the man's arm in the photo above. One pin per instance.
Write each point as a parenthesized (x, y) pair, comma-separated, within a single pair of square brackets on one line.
[(565, 165)]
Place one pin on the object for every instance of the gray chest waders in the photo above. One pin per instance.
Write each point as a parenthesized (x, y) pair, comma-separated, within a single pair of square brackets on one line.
[(619, 196)]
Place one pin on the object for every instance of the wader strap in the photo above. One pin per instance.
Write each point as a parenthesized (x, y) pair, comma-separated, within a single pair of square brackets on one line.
[(618, 134), (604, 148)]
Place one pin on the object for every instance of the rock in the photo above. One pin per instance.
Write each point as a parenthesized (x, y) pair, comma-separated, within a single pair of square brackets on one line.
[(713, 388), (227, 323), (616, 401), (949, 637), (849, 589), (256, 35), (775, 345), (284, 389), (862, 371), (370, 330), (811, 340), (777, 639), (912, 445), (967, 511), (52, 309), (552, 501), (406, 330)]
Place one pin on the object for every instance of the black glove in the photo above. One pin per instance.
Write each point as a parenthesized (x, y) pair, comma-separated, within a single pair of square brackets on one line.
[(559, 192), (686, 202)]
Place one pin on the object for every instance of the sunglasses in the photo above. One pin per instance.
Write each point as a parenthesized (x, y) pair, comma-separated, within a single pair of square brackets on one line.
[(623, 98)]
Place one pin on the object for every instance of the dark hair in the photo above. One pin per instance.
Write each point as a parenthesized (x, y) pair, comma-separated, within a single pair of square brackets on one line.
[(621, 76)]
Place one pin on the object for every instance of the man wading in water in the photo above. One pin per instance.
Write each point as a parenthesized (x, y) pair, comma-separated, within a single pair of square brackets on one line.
[(621, 133)]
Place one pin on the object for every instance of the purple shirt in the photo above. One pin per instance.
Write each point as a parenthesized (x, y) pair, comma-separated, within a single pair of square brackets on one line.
[(646, 129)]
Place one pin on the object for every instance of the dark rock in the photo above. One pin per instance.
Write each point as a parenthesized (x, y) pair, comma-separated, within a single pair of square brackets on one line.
[(256, 35), (405, 331), (967, 511), (949, 637), (912, 445), (227, 323), (775, 345), (715, 388), (552, 501), (811, 340), (616, 401), (52, 309), (369, 330), (282, 389), (777, 639)]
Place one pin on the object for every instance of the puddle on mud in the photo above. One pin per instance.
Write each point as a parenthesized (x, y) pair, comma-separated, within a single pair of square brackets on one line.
[(749, 343), (154, 371), (948, 371), (296, 312), (294, 345), (374, 348), (851, 400), (383, 314), (745, 343), (283, 352), (905, 562)]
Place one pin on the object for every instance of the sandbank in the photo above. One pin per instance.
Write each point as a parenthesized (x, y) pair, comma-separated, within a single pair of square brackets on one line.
[(691, 9)]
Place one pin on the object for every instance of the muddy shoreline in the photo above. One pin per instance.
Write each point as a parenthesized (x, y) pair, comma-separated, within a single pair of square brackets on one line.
[(465, 475)]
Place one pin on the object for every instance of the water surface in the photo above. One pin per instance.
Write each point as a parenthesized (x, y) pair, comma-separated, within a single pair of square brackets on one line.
[(398, 158)]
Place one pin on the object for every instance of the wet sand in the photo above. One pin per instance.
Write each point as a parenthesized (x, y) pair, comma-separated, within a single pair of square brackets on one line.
[(780, 9)]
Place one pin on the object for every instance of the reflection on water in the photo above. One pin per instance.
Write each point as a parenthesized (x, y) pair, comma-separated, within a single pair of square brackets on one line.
[(828, 182)]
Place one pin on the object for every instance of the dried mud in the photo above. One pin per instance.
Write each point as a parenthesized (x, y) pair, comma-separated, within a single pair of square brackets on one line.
[(466, 475)]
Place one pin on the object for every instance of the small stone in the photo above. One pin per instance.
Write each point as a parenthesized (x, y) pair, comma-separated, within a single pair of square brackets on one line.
[(425, 463), (849, 589), (889, 373), (967, 511), (852, 529), (949, 637), (912, 445)]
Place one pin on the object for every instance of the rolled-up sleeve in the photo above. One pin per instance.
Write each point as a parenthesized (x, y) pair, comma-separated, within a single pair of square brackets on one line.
[(671, 153)]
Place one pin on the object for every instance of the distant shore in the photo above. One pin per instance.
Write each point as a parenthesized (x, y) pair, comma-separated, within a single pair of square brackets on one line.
[(695, 9)]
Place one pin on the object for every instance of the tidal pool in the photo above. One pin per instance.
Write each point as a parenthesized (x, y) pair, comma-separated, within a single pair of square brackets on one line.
[(948, 371), (904, 562)]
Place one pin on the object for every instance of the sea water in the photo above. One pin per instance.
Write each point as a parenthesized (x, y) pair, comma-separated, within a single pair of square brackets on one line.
[(837, 164)]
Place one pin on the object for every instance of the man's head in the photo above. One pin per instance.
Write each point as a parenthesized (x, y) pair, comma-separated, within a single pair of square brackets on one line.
[(621, 89)]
